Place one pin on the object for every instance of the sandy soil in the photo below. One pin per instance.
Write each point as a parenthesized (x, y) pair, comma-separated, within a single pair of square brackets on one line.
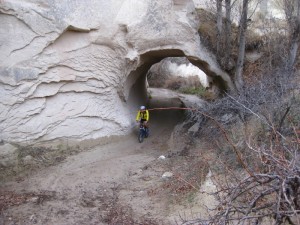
[(116, 183)]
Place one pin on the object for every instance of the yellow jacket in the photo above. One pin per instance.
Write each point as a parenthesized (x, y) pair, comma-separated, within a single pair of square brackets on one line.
[(142, 115)]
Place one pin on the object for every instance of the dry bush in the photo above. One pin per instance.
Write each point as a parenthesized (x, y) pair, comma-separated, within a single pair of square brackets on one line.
[(272, 43), (257, 144), (189, 172), (208, 33), (193, 81), (269, 189), (111, 209), (176, 82), (190, 85), (156, 79), (207, 29), (172, 82), (10, 199), (273, 50), (255, 42)]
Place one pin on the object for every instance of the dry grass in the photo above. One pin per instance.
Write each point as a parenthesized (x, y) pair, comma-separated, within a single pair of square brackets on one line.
[(41, 157), (10, 199), (208, 31), (189, 173)]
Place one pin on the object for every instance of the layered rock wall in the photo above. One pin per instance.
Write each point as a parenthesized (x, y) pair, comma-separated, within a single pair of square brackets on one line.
[(67, 68)]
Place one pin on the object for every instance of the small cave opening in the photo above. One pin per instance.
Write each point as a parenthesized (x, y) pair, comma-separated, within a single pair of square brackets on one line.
[(169, 82), (178, 74), (158, 83)]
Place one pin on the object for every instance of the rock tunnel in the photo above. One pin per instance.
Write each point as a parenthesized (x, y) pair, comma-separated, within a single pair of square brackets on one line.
[(135, 87)]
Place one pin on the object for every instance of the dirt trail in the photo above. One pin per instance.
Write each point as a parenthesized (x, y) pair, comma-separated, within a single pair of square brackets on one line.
[(94, 186)]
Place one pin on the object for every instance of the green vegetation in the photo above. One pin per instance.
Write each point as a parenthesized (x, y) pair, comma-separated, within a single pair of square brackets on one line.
[(199, 91)]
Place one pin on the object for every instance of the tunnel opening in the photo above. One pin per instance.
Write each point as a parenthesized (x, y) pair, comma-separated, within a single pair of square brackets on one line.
[(167, 81), (135, 87), (139, 93), (178, 74)]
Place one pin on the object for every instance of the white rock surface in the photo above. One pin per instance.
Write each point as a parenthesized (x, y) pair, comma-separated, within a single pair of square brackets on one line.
[(167, 175), (68, 68), (162, 157)]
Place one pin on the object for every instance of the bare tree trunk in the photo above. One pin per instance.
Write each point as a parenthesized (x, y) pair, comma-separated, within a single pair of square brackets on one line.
[(293, 51), (219, 27), (293, 18), (239, 82), (227, 33)]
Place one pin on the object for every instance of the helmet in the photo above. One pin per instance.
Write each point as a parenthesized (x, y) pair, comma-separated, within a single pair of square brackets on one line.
[(143, 107)]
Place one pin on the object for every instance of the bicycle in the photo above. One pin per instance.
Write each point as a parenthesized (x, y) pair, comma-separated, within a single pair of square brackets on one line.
[(144, 133)]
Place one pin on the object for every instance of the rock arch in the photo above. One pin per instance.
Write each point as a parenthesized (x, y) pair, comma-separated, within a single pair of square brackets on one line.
[(135, 85), (69, 73)]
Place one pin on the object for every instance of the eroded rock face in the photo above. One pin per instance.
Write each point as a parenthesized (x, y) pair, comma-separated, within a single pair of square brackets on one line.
[(67, 67)]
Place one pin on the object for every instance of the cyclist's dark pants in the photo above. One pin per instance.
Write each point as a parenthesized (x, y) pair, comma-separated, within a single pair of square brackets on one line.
[(144, 122)]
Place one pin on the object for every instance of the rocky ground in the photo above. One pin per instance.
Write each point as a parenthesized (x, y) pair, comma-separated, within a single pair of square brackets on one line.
[(118, 182)]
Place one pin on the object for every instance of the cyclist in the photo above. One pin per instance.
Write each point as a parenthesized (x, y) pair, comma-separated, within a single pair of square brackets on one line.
[(143, 116)]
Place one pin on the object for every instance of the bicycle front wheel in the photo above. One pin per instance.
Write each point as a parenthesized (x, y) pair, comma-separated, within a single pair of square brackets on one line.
[(141, 136)]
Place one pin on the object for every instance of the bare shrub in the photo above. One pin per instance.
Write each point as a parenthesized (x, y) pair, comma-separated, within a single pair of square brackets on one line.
[(258, 169), (193, 81), (155, 79), (255, 42), (189, 172), (174, 83), (111, 208), (271, 40), (160, 72), (177, 82), (207, 29), (268, 191)]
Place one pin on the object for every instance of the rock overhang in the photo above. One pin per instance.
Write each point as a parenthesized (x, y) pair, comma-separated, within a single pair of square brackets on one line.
[(73, 77)]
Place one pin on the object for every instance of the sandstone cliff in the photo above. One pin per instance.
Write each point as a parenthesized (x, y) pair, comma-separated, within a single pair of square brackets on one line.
[(76, 69)]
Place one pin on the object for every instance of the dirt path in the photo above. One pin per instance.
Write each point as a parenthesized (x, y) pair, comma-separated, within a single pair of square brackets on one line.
[(104, 185)]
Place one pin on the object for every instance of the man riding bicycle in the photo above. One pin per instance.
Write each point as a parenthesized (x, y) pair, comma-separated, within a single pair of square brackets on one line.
[(143, 116)]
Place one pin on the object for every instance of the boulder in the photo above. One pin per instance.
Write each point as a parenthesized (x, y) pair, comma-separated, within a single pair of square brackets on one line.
[(167, 175)]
